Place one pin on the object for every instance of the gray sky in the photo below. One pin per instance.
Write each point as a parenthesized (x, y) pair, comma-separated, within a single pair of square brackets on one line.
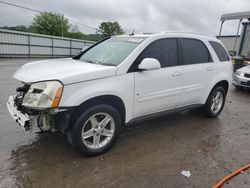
[(141, 15)]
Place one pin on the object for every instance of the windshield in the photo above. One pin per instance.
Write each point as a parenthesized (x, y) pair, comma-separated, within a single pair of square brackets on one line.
[(111, 51)]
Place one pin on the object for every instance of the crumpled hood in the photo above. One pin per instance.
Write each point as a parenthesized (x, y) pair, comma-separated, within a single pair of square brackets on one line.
[(66, 70), (245, 69)]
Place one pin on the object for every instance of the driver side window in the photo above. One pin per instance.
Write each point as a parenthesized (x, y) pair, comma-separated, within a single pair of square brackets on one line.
[(164, 50)]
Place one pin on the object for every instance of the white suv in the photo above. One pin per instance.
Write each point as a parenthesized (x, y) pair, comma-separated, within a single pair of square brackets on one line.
[(119, 80)]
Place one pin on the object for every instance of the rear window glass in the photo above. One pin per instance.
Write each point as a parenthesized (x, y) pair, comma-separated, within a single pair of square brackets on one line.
[(194, 52), (220, 51)]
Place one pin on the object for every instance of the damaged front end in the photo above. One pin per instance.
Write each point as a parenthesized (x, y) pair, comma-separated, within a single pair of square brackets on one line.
[(36, 106)]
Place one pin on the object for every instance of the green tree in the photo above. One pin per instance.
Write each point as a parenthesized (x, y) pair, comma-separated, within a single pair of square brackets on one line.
[(75, 35), (110, 28), (22, 28), (50, 24)]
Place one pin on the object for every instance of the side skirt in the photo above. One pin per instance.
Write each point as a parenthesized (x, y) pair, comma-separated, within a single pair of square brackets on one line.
[(163, 113)]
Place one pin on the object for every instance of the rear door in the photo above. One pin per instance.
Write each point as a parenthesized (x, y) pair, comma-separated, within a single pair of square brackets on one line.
[(158, 90), (199, 70)]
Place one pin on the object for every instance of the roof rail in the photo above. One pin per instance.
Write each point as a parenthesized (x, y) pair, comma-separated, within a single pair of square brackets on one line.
[(184, 32)]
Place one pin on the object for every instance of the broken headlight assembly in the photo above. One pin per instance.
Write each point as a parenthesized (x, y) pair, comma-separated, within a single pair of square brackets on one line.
[(43, 95)]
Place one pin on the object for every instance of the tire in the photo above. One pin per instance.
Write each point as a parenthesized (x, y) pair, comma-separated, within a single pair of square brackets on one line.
[(96, 130), (213, 106)]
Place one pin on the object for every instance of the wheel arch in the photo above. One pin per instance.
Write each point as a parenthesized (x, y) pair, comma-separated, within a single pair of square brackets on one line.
[(222, 83), (112, 100)]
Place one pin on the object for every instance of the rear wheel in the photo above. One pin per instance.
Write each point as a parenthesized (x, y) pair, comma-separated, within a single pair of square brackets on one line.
[(215, 102), (96, 130)]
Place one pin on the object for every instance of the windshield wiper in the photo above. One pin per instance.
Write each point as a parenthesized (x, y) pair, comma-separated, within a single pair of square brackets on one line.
[(99, 63), (90, 61), (108, 64)]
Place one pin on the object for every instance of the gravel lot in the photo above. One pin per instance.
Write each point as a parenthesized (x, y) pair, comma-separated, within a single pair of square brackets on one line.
[(148, 154)]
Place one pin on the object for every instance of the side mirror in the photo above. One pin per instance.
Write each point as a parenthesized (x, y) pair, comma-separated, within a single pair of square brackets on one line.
[(149, 64)]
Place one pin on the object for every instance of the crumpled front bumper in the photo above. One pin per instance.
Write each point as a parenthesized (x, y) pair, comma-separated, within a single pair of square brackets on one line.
[(22, 119), (18, 116), (61, 118)]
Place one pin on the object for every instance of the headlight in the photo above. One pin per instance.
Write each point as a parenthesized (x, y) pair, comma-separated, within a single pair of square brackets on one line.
[(238, 73), (43, 95)]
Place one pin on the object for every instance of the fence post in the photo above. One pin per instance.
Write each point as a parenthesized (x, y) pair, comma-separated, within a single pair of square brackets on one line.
[(70, 47), (29, 45), (52, 46)]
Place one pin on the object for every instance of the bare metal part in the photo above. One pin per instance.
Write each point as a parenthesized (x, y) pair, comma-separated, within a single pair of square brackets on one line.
[(45, 121)]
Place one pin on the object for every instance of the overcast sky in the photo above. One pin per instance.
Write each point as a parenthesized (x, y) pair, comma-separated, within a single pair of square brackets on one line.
[(141, 15)]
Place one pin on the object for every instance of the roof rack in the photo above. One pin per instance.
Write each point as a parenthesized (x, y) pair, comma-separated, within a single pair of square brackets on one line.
[(185, 32)]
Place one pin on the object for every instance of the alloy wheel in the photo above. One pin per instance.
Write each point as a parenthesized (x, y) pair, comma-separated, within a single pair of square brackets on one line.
[(217, 102), (98, 130)]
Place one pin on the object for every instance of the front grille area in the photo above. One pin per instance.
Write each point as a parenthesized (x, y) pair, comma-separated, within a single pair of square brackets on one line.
[(247, 75), (245, 83)]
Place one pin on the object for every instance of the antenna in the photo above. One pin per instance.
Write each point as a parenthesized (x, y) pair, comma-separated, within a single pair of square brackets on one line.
[(133, 33)]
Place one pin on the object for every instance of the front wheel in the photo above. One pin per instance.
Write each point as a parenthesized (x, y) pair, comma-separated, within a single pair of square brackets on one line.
[(96, 130), (215, 102)]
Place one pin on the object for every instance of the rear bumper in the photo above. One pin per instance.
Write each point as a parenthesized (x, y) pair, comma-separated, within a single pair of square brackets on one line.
[(22, 119)]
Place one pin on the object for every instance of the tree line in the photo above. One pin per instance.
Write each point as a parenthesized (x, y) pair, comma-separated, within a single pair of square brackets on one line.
[(50, 23)]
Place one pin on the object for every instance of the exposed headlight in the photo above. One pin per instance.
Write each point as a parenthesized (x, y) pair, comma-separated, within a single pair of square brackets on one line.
[(238, 73), (43, 95)]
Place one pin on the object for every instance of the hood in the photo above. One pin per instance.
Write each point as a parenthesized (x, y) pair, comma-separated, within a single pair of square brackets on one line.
[(66, 70), (245, 69)]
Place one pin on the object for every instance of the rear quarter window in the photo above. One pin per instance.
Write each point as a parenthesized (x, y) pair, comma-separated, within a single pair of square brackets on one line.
[(220, 51)]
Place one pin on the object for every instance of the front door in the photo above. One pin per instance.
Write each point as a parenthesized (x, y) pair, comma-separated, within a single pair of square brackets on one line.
[(158, 90)]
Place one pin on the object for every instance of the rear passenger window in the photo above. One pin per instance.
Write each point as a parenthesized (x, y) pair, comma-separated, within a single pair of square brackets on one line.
[(164, 50), (194, 52), (220, 51)]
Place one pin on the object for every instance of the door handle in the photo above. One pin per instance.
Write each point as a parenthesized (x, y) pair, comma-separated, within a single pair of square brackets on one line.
[(210, 69), (176, 73)]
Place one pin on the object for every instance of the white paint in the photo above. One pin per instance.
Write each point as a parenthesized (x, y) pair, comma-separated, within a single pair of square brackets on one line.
[(142, 93)]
